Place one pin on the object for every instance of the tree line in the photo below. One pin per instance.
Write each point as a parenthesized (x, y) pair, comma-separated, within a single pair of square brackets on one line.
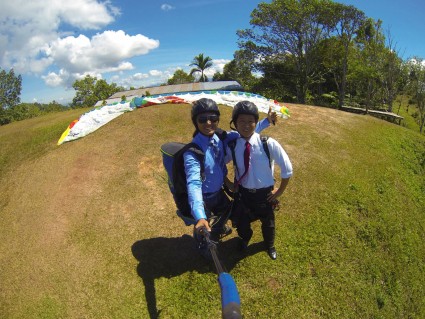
[(324, 53), (316, 52), (89, 91)]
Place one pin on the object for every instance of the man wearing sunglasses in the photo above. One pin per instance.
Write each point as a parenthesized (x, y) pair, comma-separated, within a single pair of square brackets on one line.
[(205, 191)]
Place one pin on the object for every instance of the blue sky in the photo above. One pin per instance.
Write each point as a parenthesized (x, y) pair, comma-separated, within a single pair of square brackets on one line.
[(51, 43)]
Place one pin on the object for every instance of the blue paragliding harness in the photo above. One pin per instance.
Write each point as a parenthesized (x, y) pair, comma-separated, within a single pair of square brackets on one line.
[(172, 158)]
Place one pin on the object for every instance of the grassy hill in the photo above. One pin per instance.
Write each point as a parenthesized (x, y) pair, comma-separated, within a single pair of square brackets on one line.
[(88, 228)]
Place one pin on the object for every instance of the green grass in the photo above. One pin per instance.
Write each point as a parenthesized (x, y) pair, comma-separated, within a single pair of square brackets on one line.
[(407, 112), (21, 142), (89, 230)]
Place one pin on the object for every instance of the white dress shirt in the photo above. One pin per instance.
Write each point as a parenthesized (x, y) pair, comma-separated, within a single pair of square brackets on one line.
[(259, 174)]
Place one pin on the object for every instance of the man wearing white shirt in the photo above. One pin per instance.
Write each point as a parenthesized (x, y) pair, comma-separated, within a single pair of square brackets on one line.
[(254, 180)]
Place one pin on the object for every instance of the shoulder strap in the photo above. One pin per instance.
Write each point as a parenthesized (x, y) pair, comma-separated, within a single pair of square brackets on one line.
[(196, 149), (264, 139), (179, 176), (222, 136), (193, 147)]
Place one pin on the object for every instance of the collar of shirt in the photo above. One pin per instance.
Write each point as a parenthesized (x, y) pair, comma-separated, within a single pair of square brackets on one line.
[(253, 140), (204, 141)]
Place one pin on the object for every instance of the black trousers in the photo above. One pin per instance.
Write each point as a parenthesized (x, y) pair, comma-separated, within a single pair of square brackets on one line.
[(250, 206)]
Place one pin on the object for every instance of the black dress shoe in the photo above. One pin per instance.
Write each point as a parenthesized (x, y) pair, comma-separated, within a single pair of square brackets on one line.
[(272, 253)]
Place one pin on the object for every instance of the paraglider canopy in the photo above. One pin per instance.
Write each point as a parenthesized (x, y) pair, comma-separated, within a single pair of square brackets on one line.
[(94, 119)]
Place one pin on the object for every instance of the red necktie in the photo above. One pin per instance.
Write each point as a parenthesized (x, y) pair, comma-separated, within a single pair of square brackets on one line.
[(246, 154)]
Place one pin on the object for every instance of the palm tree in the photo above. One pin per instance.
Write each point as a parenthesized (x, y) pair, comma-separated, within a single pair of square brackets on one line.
[(201, 64)]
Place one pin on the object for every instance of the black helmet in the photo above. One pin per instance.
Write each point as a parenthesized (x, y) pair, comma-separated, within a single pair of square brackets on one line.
[(244, 107), (204, 105)]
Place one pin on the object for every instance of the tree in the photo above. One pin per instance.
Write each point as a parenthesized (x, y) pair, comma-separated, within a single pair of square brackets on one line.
[(393, 76), (347, 21), (367, 63), (287, 30), (180, 77), (90, 90), (230, 71), (278, 81), (239, 69), (201, 64), (417, 87), (52, 107), (85, 92), (24, 111), (219, 77), (10, 89)]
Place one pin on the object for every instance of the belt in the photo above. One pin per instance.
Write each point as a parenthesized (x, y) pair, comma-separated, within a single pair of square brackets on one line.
[(256, 190)]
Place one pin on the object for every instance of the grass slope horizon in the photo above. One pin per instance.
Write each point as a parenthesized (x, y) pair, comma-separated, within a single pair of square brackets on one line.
[(89, 228)]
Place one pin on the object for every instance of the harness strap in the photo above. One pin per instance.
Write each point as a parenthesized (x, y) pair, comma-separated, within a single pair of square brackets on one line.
[(264, 139)]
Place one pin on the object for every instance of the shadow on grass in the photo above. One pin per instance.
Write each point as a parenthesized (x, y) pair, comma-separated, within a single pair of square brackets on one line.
[(171, 257)]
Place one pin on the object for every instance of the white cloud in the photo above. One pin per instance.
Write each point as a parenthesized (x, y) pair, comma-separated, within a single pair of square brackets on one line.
[(157, 77), (218, 65), (140, 76), (105, 52), (167, 7), (53, 79), (26, 27), (32, 40), (142, 79), (156, 73), (87, 14)]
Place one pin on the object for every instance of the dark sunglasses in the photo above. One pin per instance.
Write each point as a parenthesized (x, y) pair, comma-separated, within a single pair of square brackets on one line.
[(204, 118)]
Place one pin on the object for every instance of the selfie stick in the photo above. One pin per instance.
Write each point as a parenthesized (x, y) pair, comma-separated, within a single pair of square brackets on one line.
[(230, 301)]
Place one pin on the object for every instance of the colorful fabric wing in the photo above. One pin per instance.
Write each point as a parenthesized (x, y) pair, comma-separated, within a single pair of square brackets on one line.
[(94, 119)]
